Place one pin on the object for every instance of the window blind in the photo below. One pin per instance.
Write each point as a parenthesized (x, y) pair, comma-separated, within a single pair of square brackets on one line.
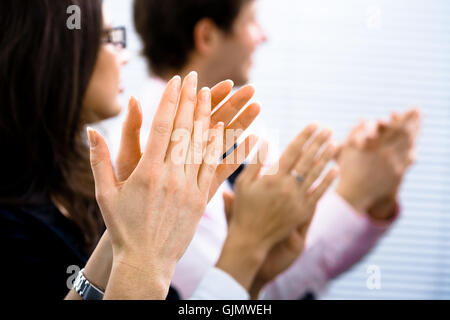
[(335, 62)]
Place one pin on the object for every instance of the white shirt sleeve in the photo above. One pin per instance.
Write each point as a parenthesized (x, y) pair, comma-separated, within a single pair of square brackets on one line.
[(219, 285)]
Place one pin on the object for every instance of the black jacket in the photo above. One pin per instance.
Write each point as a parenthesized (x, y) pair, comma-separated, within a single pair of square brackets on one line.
[(39, 248)]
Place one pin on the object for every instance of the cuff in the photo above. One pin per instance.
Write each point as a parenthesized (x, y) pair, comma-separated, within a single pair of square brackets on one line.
[(219, 285), (343, 235), (362, 219)]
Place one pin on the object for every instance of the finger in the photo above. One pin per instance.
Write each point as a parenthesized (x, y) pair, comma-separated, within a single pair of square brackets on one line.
[(220, 91), (392, 134), (320, 190), (184, 122), (253, 169), (408, 124), (213, 153), (294, 150), (233, 162), (162, 126), (130, 145), (318, 168), (235, 130), (228, 111), (360, 138), (353, 138), (382, 126), (228, 200), (395, 117), (413, 123), (105, 181), (401, 152), (338, 151), (201, 128), (307, 159)]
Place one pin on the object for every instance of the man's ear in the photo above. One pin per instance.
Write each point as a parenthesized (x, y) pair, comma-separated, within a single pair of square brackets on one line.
[(206, 36)]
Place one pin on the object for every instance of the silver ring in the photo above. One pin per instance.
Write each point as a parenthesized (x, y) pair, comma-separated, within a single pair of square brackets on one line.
[(297, 176)]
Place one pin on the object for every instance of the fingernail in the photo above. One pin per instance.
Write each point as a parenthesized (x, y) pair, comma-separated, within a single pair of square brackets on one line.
[(205, 94), (131, 102), (176, 83), (193, 81), (231, 82), (193, 76), (92, 136)]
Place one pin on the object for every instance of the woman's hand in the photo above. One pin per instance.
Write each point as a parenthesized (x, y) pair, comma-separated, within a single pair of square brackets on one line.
[(130, 151), (99, 266), (269, 210), (153, 214)]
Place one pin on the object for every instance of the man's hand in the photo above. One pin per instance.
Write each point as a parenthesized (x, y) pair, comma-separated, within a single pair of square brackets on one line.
[(280, 257), (286, 250), (374, 162)]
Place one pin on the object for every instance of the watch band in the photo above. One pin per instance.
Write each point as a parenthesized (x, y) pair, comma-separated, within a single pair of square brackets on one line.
[(85, 289)]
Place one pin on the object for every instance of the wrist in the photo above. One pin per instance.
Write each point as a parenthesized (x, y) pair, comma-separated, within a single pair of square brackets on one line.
[(383, 210), (140, 275), (256, 288), (138, 280), (242, 257), (360, 203), (98, 268)]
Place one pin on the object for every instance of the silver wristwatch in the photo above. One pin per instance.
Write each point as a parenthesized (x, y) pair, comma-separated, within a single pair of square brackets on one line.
[(85, 289)]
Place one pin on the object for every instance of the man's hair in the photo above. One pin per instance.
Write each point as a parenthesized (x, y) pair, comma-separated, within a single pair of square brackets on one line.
[(166, 27)]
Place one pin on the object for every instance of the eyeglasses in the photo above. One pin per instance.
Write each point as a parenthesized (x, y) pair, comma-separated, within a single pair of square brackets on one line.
[(116, 36)]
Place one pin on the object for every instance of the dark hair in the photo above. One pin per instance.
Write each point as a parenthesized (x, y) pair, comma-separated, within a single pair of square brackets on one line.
[(45, 69), (166, 27)]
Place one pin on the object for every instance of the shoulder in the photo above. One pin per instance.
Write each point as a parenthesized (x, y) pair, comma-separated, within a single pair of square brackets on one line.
[(37, 247), (25, 228)]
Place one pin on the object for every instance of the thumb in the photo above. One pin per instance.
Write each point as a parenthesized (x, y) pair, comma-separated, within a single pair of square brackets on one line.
[(102, 169), (130, 146), (228, 199)]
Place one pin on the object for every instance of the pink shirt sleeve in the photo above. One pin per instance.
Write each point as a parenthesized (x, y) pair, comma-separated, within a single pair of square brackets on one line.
[(338, 238)]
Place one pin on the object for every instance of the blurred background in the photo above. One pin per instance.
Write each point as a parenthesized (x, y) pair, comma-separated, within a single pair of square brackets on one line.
[(336, 62)]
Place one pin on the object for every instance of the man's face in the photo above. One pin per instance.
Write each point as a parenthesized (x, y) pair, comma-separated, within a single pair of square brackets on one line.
[(233, 58)]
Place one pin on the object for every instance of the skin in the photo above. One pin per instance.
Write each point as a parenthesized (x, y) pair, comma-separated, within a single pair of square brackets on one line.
[(152, 216), (269, 222), (366, 156), (105, 104), (99, 266), (101, 100), (261, 261), (248, 243), (391, 149), (225, 55), (211, 42)]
